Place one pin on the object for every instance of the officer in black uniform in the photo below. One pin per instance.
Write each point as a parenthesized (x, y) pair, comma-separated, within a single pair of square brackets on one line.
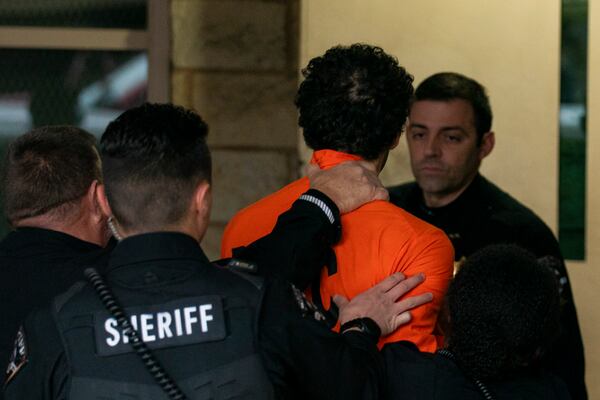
[(164, 321), (448, 136), (49, 182)]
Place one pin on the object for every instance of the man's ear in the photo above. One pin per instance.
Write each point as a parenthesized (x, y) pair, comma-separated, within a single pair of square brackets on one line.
[(202, 200), (91, 200), (487, 145), (201, 205), (203, 196), (102, 201)]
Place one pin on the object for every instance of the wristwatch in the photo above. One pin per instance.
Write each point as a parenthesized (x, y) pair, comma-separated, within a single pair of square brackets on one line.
[(364, 325)]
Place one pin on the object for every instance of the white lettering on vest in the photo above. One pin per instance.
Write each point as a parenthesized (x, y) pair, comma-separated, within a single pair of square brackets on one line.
[(110, 326), (178, 329), (145, 327), (204, 317), (151, 326), (189, 320), (163, 325)]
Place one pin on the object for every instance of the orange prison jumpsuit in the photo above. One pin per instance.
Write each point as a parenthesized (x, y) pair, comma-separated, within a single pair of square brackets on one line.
[(378, 239)]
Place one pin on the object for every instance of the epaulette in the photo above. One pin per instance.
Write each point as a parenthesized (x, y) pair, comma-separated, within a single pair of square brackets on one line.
[(61, 300), (245, 269)]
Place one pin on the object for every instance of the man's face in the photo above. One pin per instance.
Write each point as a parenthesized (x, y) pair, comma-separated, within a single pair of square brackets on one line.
[(442, 141)]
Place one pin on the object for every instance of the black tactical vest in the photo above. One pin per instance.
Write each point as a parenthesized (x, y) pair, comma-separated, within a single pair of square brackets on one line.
[(203, 332)]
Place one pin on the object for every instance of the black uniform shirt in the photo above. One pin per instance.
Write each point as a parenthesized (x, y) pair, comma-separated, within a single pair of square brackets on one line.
[(36, 265), (426, 376), (482, 215), (302, 358)]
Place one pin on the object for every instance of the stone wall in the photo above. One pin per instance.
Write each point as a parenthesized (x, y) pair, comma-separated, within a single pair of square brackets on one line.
[(235, 62)]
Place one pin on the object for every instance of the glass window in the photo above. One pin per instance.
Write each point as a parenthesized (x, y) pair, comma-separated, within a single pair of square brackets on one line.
[(573, 110), (84, 88), (129, 14)]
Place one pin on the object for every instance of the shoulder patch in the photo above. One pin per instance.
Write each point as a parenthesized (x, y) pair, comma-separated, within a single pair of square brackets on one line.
[(307, 307), (18, 357)]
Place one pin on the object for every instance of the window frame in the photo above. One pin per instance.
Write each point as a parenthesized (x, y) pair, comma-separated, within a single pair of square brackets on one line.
[(155, 40)]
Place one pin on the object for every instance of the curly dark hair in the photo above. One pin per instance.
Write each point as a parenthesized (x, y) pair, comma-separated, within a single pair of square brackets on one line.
[(153, 157), (504, 312), (354, 99), (447, 86)]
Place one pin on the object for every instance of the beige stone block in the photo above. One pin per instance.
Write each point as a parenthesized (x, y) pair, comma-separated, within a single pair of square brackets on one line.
[(181, 94), (247, 109), (242, 177), (211, 244), (293, 35), (229, 34)]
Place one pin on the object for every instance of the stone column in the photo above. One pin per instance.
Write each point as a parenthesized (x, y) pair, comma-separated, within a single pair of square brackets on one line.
[(235, 63)]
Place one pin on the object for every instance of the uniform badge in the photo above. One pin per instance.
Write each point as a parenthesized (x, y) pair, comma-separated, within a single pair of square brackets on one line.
[(18, 357), (307, 308)]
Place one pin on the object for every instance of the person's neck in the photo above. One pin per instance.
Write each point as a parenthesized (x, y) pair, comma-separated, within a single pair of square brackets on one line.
[(437, 200), (379, 163), (328, 158), (195, 232), (75, 228), (374, 165)]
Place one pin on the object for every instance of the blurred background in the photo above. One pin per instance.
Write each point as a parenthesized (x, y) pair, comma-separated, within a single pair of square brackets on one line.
[(78, 83), (237, 62)]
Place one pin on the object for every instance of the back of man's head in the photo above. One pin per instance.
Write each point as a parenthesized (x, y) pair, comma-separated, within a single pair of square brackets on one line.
[(153, 158), (447, 86), (354, 99), (46, 171), (504, 311)]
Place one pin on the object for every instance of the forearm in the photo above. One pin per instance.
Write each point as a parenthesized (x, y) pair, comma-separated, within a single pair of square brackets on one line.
[(434, 258), (304, 359), (296, 249)]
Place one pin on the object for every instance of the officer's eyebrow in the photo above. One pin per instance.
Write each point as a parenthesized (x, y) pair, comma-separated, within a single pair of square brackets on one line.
[(453, 128), (416, 125), (443, 129)]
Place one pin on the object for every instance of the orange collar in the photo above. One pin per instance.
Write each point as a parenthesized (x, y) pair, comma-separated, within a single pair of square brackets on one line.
[(326, 159)]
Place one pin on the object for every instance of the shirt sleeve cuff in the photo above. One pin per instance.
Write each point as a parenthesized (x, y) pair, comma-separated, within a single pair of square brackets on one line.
[(329, 209)]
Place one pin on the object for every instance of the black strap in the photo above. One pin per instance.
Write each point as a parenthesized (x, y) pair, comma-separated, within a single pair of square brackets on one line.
[(332, 314), (480, 385), (152, 364)]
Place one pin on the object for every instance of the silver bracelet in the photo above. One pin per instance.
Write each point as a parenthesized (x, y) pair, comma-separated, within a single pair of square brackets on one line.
[(319, 203)]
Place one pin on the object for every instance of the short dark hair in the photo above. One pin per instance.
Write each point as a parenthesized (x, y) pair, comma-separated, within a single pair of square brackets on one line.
[(153, 158), (504, 312), (46, 170), (446, 86), (354, 99)]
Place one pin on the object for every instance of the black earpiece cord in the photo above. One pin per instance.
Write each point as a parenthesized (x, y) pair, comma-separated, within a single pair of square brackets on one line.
[(152, 364)]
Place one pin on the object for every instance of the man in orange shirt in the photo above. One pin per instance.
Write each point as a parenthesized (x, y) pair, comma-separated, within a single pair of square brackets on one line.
[(353, 104)]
